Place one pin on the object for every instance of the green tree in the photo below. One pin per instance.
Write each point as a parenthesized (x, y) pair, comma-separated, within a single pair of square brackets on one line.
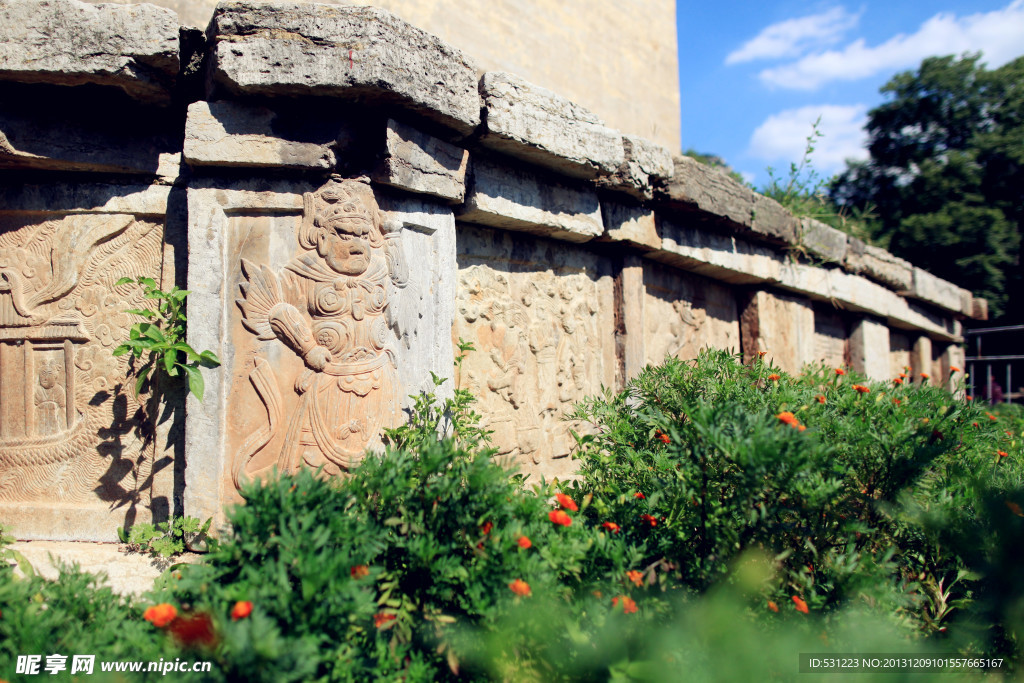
[(946, 175)]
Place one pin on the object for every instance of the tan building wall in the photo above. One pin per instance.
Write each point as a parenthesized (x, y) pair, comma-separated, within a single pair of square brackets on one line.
[(616, 58)]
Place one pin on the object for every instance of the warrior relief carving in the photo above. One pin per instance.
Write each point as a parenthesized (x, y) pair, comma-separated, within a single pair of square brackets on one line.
[(335, 307), (67, 427)]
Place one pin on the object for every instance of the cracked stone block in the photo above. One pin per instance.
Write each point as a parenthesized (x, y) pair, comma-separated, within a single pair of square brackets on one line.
[(421, 163)]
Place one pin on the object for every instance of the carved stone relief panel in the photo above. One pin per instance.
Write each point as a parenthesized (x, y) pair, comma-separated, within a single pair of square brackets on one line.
[(684, 313), (540, 315), (72, 435)]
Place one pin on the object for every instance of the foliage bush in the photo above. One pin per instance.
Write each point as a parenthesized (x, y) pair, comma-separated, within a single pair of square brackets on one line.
[(727, 517)]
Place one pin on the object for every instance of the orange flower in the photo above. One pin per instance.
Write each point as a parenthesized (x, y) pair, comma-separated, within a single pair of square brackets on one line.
[(1008, 433), (775, 378), (953, 368), (639, 495), (788, 418), (903, 375), (359, 571), (560, 517), (969, 398), (975, 424), (898, 380), (802, 428), (772, 606), (486, 527), (611, 526), (193, 630), (1002, 454), (662, 436), (241, 610), (896, 401), (519, 587), (524, 543), (840, 371), (380, 619), (636, 577), (651, 520), (991, 416), (566, 502), (925, 375), (762, 354), (801, 606), (1014, 508), (821, 398), (160, 615), (628, 604), (860, 388)]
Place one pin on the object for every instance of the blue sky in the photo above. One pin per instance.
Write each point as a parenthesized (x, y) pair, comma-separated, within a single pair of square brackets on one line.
[(753, 77)]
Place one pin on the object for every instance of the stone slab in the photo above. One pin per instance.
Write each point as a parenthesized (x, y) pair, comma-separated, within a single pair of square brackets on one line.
[(354, 53), (879, 265), (513, 198), (869, 348), (541, 315), (65, 42), (534, 124), (823, 241), (421, 163), (979, 308), (631, 224), (832, 332), (646, 164), (937, 291), (319, 353), (76, 198), (716, 198), (717, 255)]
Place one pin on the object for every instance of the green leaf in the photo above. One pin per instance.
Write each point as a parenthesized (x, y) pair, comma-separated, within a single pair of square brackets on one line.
[(170, 356), (143, 374), (195, 381), (148, 282), (152, 331), (124, 281)]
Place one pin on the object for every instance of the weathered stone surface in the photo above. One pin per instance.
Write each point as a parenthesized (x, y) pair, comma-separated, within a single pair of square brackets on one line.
[(879, 265), (937, 291), (308, 297), (503, 196), (921, 357), (534, 124), (421, 163), (822, 241), (684, 313), (979, 308), (541, 315), (36, 132), (832, 336), (717, 256), (132, 47), (646, 164), (869, 348), (233, 134), (717, 198), (126, 573), (899, 352), (781, 326), (77, 198), (631, 337), (348, 52), (631, 224)]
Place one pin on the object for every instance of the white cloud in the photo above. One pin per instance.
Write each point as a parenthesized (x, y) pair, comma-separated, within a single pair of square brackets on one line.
[(998, 34), (781, 139), (795, 36)]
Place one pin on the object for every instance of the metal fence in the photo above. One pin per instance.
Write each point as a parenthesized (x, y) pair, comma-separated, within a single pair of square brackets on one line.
[(1004, 346)]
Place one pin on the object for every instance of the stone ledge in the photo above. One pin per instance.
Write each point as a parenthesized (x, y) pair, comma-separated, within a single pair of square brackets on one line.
[(528, 122), (879, 265), (65, 42), (939, 292), (420, 163), (823, 241), (355, 53), (646, 164)]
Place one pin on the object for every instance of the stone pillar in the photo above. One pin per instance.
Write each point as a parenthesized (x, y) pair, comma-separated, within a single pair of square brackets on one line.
[(921, 357), (633, 295), (869, 348), (781, 325)]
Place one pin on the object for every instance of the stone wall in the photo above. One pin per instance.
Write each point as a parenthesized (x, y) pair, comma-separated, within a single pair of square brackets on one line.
[(346, 197)]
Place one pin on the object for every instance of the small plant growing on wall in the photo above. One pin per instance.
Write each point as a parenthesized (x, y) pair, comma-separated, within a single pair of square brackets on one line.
[(160, 341)]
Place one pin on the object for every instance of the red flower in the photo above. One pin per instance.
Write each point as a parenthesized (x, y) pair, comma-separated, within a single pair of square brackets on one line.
[(925, 375), (774, 378), (896, 401), (639, 495), (1014, 508), (519, 587), (772, 606), (662, 436), (898, 380), (566, 502), (840, 371), (762, 354), (903, 375), (611, 526), (821, 398), (628, 604), (241, 610), (801, 606), (380, 619), (486, 527), (651, 520), (953, 368), (1002, 454), (788, 418), (969, 398), (193, 630), (1008, 433), (991, 416), (560, 517), (860, 388), (636, 577), (975, 424), (160, 615), (524, 542), (359, 571)]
